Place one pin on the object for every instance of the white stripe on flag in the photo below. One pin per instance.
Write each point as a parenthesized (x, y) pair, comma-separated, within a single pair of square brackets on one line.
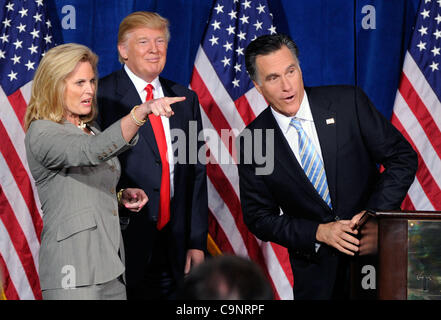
[(26, 91), (10, 121), (17, 135), (217, 90), (280, 281), (19, 207), (220, 153), (423, 88), (256, 101), (418, 197), (14, 266), (419, 138), (225, 219)]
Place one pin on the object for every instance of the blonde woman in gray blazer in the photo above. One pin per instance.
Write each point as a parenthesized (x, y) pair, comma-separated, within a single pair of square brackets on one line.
[(76, 170)]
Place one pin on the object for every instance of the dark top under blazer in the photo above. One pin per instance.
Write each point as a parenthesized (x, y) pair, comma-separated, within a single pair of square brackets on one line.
[(141, 167), (352, 146)]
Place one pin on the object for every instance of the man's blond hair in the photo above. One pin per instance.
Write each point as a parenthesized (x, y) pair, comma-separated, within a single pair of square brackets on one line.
[(140, 19)]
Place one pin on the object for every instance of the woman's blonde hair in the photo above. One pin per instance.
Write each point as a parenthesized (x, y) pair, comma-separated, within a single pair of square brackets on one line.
[(48, 87), (140, 19)]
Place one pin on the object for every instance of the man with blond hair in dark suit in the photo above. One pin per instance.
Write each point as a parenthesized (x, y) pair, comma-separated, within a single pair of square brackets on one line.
[(169, 235)]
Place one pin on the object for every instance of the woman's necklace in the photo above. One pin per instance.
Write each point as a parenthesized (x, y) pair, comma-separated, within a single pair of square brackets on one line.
[(81, 125)]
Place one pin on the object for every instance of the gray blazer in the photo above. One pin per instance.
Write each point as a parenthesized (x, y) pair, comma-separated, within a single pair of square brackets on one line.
[(76, 176)]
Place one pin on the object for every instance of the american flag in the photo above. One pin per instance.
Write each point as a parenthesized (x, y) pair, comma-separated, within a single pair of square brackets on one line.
[(229, 102), (25, 34), (417, 108)]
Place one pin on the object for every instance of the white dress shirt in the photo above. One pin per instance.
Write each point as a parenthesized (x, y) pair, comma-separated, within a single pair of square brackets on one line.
[(140, 85), (304, 115)]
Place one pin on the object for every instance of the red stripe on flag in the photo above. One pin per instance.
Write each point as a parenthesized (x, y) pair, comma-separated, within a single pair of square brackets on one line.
[(222, 241), (423, 174), (21, 178), (208, 104), (19, 105), (245, 110), (228, 195), (283, 258), (217, 232), (20, 244), (8, 286), (214, 114), (210, 107), (407, 204), (421, 113)]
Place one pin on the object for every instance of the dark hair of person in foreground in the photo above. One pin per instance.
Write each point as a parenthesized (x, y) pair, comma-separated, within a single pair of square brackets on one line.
[(226, 277)]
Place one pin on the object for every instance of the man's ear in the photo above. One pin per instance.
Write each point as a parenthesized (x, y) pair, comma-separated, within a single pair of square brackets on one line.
[(122, 49)]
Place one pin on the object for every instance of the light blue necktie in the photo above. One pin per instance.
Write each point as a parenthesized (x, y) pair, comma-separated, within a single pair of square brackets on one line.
[(312, 163)]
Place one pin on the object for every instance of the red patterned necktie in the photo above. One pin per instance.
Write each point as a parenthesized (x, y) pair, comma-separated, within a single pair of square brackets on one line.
[(164, 195)]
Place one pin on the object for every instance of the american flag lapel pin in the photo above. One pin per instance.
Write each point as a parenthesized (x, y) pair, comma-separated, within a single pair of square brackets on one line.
[(330, 121)]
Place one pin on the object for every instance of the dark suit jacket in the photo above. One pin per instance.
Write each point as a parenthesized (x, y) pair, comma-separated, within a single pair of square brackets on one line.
[(141, 168), (352, 146)]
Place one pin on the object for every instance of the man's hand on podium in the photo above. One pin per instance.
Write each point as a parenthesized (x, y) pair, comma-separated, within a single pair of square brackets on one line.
[(340, 235)]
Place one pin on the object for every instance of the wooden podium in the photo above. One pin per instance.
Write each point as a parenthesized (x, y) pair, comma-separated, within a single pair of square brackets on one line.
[(399, 258)]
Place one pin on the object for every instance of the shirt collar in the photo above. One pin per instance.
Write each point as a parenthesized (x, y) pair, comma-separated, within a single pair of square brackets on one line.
[(139, 83), (304, 114)]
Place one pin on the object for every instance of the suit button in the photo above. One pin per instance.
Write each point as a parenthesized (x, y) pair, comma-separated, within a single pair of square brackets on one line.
[(114, 212), (337, 218), (112, 168), (158, 162), (112, 191), (156, 189)]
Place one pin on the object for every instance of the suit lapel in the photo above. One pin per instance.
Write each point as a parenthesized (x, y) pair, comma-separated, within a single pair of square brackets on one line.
[(325, 121), (285, 156), (281, 148), (130, 98)]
